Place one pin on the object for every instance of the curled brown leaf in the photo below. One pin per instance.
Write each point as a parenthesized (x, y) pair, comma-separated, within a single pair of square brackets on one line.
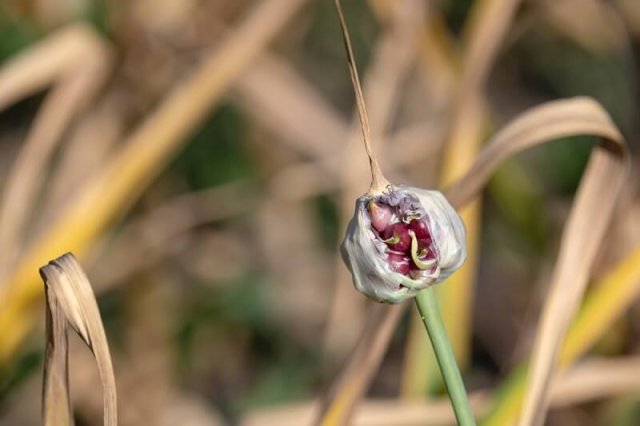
[(70, 302)]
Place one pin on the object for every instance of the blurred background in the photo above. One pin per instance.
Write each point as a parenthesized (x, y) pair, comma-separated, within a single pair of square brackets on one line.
[(202, 159)]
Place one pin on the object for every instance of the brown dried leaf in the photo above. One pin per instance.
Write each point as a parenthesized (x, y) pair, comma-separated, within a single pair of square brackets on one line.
[(70, 302)]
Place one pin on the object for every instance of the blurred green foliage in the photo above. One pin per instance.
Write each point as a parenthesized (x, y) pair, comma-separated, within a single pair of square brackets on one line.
[(216, 154), (15, 35)]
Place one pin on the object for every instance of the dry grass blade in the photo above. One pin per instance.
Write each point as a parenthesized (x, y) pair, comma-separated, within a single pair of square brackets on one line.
[(281, 100), (609, 299), (592, 380), (585, 228), (70, 301), (75, 83), (483, 37), (356, 376), (552, 120), (55, 56), (598, 191), (146, 240), (595, 379), (143, 155), (374, 412), (103, 125)]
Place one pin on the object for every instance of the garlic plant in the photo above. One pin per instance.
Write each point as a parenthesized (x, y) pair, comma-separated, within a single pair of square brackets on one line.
[(402, 240)]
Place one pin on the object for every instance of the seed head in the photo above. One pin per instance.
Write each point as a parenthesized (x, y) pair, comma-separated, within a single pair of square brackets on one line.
[(401, 241)]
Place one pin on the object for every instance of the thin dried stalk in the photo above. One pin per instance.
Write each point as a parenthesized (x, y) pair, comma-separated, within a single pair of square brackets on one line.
[(592, 380), (280, 99), (146, 240), (57, 55), (590, 212), (394, 54), (144, 154), (413, 145), (596, 379), (70, 302), (349, 386), (92, 141), (378, 181)]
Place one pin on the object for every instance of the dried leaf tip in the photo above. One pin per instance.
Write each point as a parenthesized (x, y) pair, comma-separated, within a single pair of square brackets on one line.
[(70, 302), (378, 181)]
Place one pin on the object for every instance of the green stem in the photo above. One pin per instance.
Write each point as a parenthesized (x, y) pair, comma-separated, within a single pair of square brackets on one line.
[(430, 313)]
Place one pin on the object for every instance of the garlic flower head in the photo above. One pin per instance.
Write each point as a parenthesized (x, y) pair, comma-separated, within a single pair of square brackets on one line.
[(401, 241)]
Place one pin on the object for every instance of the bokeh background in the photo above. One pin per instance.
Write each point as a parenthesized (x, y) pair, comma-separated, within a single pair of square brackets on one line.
[(218, 278)]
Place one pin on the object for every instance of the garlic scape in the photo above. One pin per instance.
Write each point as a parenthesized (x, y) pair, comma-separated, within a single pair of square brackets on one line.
[(402, 240)]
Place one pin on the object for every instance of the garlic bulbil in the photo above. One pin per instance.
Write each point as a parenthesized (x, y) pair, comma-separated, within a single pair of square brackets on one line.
[(401, 241)]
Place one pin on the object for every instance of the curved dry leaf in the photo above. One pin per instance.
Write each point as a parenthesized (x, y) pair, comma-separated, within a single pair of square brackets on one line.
[(45, 62), (599, 189), (70, 302), (586, 224), (76, 61)]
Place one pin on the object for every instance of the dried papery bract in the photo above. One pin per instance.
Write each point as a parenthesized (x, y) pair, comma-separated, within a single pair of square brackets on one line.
[(70, 302)]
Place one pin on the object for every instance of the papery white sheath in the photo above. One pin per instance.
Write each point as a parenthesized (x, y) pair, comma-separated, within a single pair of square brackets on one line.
[(401, 241)]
